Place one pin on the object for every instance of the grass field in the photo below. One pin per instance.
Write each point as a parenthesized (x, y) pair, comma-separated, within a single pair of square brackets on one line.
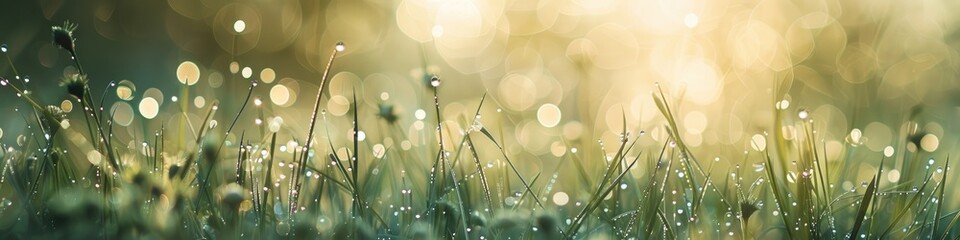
[(109, 161)]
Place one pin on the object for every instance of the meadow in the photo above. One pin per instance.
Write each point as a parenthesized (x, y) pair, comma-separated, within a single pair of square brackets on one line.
[(365, 158)]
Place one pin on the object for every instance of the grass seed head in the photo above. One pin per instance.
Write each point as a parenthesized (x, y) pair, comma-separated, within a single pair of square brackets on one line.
[(63, 36), (747, 209), (53, 116), (76, 85), (232, 194), (210, 145), (386, 112)]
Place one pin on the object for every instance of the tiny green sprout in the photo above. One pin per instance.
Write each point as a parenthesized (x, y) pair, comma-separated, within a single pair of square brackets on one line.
[(63, 36), (76, 85)]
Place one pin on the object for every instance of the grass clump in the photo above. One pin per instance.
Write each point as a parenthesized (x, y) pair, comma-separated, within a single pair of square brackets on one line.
[(80, 181)]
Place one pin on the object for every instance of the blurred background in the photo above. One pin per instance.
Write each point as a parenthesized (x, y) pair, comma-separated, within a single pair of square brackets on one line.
[(558, 74)]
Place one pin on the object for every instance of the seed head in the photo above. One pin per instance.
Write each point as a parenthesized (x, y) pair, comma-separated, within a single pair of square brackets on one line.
[(232, 194), (63, 36), (76, 85), (386, 112), (52, 117), (747, 208)]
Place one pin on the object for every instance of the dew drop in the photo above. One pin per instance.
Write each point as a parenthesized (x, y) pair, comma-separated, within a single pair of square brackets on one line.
[(476, 126)]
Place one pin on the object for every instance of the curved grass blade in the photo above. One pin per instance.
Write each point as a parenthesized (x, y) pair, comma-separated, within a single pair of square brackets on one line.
[(906, 209), (865, 202)]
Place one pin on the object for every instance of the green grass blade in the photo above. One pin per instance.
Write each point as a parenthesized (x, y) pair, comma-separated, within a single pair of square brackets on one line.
[(865, 202), (906, 209)]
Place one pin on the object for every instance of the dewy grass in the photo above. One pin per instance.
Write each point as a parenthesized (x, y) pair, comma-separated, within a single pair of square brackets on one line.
[(77, 181)]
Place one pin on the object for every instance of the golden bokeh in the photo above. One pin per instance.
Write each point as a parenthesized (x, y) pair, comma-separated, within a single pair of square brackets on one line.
[(149, 108), (188, 73), (559, 76), (123, 114)]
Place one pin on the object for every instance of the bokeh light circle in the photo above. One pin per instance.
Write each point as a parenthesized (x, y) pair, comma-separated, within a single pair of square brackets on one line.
[(188, 73), (149, 108)]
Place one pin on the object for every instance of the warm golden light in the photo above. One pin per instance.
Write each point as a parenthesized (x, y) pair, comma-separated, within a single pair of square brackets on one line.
[(149, 108), (188, 73)]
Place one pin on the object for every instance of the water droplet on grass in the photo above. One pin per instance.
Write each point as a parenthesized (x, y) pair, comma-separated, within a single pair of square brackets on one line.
[(435, 81)]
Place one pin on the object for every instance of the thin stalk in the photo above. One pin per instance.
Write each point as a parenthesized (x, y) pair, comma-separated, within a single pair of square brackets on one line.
[(316, 104)]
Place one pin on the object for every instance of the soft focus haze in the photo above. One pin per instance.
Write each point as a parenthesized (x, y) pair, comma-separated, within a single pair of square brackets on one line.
[(556, 73)]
